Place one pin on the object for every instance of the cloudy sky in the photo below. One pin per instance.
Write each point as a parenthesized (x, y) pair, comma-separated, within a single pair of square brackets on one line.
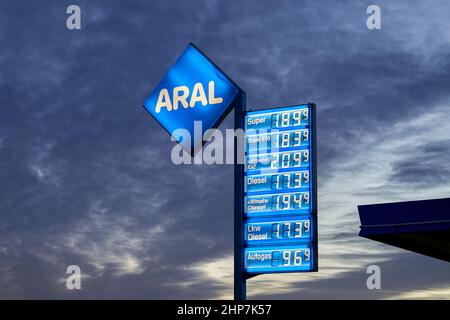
[(86, 176)]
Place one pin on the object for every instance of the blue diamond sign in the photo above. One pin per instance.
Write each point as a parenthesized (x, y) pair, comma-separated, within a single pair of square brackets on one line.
[(193, 93)]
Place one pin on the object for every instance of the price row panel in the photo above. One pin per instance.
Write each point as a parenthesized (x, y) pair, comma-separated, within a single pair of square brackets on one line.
[(282, 230), (279, 259), (280, 161), (278, 182), (291, 117), (277, 204), (259, 143)]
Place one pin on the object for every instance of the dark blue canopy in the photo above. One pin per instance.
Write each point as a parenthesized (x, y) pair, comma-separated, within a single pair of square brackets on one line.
[(419, 226)]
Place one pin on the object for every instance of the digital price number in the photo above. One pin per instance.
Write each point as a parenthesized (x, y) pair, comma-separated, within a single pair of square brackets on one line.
[(280, 223)]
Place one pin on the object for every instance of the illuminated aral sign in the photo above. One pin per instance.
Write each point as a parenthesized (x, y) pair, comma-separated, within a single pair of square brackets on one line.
[(280, 204), (194, 89)]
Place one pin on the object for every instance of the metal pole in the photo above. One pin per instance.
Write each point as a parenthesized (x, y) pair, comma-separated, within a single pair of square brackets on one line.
[(240, 286), (315, 208)]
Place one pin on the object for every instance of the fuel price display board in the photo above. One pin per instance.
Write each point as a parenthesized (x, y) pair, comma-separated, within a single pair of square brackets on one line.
[(280, 190)]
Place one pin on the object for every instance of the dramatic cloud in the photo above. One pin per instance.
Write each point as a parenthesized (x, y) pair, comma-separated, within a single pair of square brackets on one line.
[(86, 176)]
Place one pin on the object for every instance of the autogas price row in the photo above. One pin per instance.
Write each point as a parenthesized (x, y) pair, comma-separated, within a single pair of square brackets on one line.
[(278, 259)]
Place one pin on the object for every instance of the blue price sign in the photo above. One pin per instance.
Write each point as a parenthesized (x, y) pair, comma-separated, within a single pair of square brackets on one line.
[(280, 203), (193, 90)]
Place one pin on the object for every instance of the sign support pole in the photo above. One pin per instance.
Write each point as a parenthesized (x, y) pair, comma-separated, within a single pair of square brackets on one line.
[(240, 286)]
